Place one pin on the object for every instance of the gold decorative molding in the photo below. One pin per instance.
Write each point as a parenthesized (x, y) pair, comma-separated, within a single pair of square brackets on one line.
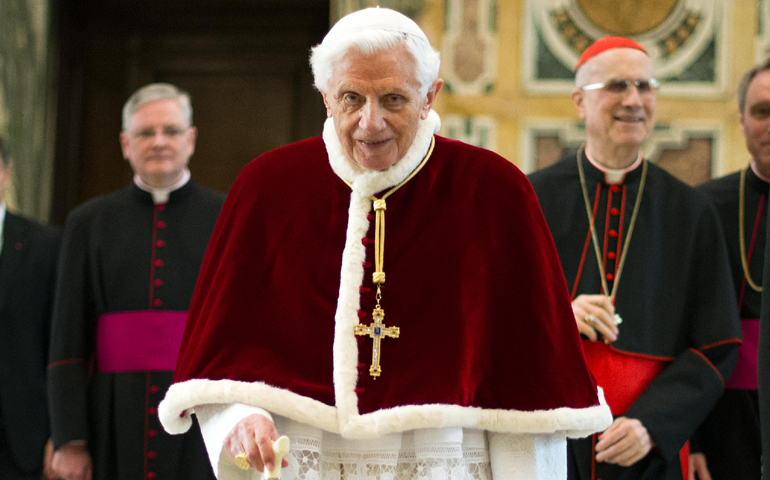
[(480, 130), (469, 46), (627, 17), (686, 39)]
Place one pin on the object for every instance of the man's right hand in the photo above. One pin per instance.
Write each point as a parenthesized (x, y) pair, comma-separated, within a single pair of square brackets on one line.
[(254, 435), (72, 462), (595, 317)]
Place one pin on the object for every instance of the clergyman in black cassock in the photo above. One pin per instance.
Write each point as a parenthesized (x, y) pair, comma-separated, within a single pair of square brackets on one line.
[(129, 264), (651, 287), (759, 146), (730, 437)]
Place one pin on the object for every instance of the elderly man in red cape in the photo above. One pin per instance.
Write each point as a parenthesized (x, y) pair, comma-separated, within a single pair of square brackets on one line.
[(464, 362)]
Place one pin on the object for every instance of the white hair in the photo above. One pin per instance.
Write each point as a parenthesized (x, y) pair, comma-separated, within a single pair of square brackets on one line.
[(152, 93), (325, 56)]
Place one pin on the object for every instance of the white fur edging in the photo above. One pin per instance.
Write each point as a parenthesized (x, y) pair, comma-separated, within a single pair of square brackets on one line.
[(184, 397)]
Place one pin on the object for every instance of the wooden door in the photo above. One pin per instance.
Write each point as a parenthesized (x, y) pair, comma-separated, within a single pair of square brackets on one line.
[(244, 63)]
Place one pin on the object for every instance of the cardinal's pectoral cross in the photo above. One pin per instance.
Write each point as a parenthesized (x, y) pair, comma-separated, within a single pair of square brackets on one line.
[(376, 330)]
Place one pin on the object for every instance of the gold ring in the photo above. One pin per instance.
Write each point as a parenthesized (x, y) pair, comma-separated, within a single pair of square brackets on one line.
[(591, 319), (242, 461)]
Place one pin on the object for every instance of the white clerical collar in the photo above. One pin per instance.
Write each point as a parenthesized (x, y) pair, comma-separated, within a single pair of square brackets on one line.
[(757, 172), (160, 195), (372, 182), (614, 176)]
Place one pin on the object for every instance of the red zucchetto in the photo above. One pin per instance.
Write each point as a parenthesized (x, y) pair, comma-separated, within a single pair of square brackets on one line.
[(604, 44)]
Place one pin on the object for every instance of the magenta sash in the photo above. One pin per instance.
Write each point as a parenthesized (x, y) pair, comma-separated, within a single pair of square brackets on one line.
[(744, 376), (139, 341)]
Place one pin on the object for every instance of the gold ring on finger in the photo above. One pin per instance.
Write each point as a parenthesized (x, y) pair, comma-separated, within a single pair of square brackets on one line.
[(242, 461)]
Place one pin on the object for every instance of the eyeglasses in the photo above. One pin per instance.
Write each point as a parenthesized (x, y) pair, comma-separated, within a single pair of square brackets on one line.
[(621, 85), (171, 132)]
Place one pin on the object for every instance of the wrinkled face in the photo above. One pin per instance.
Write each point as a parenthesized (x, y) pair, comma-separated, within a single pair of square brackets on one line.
[(616, 120), (376, 105), (158, 142), (755, 121)]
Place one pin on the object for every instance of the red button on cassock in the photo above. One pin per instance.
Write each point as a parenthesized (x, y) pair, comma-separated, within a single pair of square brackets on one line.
[(154, 389), (614, 188), (160, 243), (150, 474), (614, 211), (158, 283), (153, 411), (157, 302), (152, 454), (613, 233), (161, 224), (158, 263), (610, 276), (611, 255), (161, 207), (152, 433)]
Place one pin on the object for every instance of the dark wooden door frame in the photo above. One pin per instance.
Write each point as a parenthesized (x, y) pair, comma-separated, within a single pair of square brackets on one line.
[(158, 39)]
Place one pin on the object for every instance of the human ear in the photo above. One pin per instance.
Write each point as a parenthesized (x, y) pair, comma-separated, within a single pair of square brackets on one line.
[(431, 97), (577, 99), (326, 104)]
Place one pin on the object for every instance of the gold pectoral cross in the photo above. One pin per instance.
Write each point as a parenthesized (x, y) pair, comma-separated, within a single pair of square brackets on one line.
[(376, 330)]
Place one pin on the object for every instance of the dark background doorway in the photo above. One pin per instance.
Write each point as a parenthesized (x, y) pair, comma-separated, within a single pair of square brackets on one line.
[(244, 63)]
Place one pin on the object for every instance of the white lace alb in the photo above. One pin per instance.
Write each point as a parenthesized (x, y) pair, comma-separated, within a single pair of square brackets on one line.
[(430, 454)]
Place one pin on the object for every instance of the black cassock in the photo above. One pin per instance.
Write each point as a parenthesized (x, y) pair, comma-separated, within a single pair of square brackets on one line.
[(679, 338), (127, 273), (730, 437)]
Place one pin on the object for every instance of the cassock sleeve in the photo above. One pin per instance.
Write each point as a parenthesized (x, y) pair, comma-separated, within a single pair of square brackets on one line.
[(71, 339), (681, 396)]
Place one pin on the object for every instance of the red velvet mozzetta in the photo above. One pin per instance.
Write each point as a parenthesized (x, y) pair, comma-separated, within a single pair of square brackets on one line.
[(473, 281)]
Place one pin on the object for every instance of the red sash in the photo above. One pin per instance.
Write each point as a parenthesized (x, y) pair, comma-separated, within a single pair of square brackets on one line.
[(623, 377), (139, 341)]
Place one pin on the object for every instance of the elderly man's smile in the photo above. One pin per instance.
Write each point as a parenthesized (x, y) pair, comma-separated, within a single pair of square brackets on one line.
[(374, 143)]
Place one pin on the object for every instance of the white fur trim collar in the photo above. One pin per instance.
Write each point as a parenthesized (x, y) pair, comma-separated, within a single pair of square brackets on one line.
[(375, 181)]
